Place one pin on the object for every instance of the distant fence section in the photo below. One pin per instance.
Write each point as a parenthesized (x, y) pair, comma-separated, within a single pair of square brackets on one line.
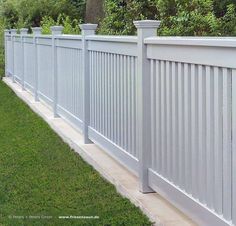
[(164, 107)]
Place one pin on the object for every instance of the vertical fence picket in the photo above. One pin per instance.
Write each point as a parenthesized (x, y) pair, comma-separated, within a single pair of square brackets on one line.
[(194, 129), (227, 192), (158, 153), (233, 146), (218, 135)]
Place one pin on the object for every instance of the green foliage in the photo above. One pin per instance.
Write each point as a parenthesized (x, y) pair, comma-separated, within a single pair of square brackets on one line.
[(29, 13), (189, 18), (178, 17), (9, 14), (220, 6), (119, 15), (2, 47), (195, 18), (228, 22), (45, 13), (70, 26), (46, 23)]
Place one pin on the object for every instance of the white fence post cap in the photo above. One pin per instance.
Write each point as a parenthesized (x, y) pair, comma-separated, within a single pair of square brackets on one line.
[(147, 23), (56, 30), (37, 30), (13, 31), (23, 31), (88, 26)]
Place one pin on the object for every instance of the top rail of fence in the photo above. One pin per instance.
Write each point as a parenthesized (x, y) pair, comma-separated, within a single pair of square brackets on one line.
[(193, 41), (110, 38)]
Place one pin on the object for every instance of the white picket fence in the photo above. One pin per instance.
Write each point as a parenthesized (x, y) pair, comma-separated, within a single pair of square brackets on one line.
[(164, 107)]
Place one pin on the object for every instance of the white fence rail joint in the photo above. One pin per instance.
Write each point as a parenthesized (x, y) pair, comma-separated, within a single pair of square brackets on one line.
[(164, 107)]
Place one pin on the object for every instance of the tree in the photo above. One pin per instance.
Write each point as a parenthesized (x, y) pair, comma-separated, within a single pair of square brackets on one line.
[(94, 11)]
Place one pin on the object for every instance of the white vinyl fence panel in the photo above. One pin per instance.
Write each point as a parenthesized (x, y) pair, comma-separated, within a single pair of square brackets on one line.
[(29, 63), (113, 97), (9, 63), (191, 130), (165, 108), (45, 76), (70, 81), (17, 58)]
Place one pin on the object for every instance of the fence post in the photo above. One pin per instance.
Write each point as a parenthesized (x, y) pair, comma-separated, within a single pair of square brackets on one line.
[(36, 31), (23, 31), (87, 29), (145, 28), (56, 30), (13, 33), (6, 32)]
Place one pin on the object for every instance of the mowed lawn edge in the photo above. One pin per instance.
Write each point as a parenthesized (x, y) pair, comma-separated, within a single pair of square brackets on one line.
[(41, 178)]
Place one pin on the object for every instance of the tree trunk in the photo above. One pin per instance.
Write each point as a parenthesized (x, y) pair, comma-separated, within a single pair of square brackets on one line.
[(94, 11)]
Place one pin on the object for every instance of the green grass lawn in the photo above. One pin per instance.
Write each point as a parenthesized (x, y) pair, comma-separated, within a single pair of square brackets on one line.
[(41, 176)]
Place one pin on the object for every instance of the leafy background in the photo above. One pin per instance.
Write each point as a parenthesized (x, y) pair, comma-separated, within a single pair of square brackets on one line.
[(178, 17)]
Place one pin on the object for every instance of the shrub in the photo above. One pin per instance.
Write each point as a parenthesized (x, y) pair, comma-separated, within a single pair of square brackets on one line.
[(119, 15), (46, 23), (228, 22), (70, 26), (190, 18), (178, 17), (31, 12)]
